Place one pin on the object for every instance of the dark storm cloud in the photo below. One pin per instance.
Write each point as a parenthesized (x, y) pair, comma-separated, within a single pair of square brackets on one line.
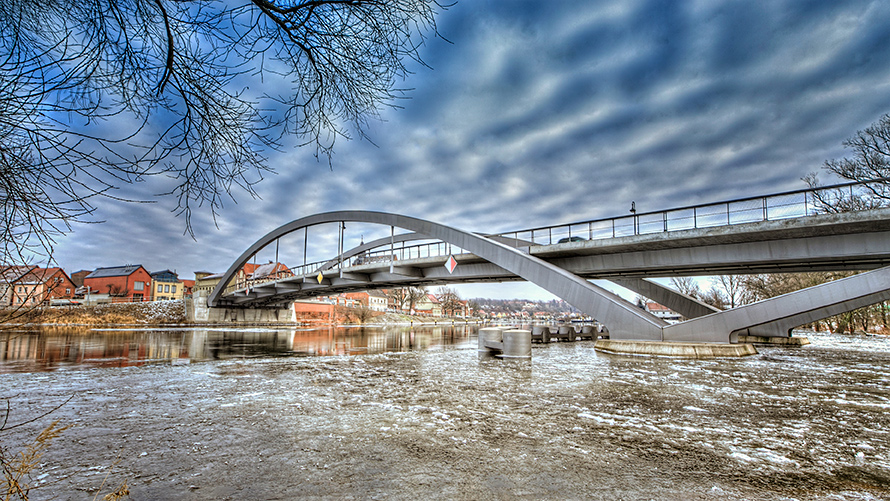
[(545, 112)]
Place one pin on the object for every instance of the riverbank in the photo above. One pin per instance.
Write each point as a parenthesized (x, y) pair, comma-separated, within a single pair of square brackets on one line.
[(166, 313), (149, 313)]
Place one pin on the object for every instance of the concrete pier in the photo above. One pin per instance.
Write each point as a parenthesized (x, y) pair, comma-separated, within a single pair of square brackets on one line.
[(541, 333), (510, 343), (681, 350), (490, 338)]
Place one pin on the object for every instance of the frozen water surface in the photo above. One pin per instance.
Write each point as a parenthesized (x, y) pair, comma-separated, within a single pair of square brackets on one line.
[(418, 413)]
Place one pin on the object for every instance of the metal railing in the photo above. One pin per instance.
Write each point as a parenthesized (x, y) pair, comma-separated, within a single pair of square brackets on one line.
[(786, 205), (382, 255)]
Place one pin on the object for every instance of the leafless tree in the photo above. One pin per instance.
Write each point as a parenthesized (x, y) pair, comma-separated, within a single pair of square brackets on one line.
[(397, 297), (360, 313), (413, 295), (686, 285), (869, 161), (474, 308), (727, 291), (765, 286), (406, 297), (870, 157), (450, 300), (732, 289), (192, 95)]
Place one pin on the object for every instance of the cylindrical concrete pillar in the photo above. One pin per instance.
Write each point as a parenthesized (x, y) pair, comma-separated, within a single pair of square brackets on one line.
[(490, 334), (517, 344)]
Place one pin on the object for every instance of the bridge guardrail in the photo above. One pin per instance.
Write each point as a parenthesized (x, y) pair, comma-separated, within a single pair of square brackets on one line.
[(786, 205)]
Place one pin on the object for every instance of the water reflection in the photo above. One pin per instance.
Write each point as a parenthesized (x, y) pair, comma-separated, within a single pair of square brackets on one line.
[(79, 348)]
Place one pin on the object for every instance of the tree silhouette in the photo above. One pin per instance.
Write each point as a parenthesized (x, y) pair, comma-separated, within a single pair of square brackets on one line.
[(97, 95)]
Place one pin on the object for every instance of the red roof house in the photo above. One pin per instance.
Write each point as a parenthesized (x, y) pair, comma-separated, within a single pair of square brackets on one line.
[(131, 282), (38, 286)]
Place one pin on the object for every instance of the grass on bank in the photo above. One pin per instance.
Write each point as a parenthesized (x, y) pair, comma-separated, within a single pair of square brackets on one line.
[(150, 313)]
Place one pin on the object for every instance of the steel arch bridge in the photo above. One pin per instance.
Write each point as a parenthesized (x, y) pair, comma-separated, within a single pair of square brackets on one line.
[(861, 241)]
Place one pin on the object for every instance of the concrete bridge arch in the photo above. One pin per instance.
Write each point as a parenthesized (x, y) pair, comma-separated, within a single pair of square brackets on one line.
[(773, 317), (628, 321)]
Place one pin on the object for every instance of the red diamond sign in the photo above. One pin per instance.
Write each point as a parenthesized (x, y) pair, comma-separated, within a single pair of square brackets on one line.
[(450, 264)]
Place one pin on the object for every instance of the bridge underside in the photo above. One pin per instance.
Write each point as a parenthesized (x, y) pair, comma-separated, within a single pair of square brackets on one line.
[(857, 241)]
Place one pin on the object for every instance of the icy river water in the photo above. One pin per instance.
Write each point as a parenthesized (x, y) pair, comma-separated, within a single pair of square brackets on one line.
[(417, 413)]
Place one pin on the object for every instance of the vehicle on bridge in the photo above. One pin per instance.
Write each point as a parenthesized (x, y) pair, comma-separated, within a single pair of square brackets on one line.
[(374, 258)]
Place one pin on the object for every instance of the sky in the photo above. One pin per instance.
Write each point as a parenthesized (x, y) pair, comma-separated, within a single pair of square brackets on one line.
[(535, 113)]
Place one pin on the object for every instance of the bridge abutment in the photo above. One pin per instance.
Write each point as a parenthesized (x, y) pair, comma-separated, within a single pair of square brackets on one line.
[(200, 312)]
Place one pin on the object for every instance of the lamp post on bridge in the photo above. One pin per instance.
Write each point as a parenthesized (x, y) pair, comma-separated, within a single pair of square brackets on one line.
[(633, 210)]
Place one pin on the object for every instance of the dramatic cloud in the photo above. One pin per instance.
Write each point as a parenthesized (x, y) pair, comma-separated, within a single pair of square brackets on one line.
[(545, 112)]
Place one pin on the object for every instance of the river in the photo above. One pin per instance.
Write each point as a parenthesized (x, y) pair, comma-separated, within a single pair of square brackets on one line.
[(408, 413)]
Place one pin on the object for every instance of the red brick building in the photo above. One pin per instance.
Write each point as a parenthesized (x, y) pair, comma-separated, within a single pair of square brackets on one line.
[(130, 283), (78, 276), (39, 286)]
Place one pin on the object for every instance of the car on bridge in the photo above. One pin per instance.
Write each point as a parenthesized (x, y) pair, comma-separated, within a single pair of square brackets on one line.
[(365, 259), (570, 239)]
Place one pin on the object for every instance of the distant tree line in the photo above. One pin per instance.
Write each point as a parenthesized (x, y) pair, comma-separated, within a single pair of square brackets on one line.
[(553, 306)]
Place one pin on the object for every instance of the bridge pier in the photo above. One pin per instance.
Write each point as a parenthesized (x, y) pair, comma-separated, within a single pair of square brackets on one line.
[(511, 343), (671, 349)]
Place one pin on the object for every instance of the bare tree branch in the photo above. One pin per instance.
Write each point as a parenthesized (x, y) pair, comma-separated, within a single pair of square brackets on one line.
[(96, 95)]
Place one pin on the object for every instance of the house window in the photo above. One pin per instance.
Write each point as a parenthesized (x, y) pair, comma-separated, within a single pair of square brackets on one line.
[(138, 286), (67, 290), (20, 288), (174, 289), (160, 288), (166, 288)]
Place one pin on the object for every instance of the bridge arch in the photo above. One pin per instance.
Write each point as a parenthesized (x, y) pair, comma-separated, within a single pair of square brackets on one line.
[(624, 319)]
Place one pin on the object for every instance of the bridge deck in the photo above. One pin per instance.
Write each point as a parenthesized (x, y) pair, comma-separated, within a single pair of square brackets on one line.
[(833, 242)]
